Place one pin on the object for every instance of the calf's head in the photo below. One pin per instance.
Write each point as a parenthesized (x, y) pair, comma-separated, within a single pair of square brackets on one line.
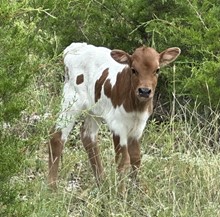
[(144, 65)]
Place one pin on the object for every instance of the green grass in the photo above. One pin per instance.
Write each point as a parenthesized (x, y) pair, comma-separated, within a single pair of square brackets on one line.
[(179, 175), (177, 185)]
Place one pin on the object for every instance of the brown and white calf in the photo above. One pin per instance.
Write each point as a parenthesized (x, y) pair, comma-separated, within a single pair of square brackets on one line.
[(112, 86)]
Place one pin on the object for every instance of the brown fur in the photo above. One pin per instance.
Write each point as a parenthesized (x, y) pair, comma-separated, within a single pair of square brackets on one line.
[(79, 79), (123, 92), (99, 83), (55, 147), (108, 88)]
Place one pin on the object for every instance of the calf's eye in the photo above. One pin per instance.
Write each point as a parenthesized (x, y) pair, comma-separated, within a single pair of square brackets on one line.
[(157, 71)]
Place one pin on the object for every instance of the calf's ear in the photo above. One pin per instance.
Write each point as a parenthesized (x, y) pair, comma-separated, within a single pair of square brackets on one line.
[(169, 55), (121, 57)]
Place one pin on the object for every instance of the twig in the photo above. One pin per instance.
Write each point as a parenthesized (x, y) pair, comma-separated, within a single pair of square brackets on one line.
[(198, 14), (150, 21)]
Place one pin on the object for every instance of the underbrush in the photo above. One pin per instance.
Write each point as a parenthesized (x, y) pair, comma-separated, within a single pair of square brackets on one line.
[(179, 175)]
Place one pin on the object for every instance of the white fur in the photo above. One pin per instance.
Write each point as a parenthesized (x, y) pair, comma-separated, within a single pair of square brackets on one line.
[(91, 61)]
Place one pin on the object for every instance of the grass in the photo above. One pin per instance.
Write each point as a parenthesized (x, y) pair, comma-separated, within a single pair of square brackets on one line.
[(175, 185), (179, 176)]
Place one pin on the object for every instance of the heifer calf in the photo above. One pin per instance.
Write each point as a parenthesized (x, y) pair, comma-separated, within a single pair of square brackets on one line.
[(110, 85)]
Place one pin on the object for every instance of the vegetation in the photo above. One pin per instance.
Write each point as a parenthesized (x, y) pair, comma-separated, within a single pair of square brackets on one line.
[(180, 146)]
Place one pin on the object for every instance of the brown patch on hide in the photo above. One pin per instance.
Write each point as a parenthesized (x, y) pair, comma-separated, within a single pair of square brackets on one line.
[(79, 79), (108, 88), (99, 83)]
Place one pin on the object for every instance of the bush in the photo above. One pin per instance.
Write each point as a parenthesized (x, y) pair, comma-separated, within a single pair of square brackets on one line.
[(23, 49), (204, 83)]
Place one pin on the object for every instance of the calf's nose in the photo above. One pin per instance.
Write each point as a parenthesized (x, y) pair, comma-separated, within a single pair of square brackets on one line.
[(144, 92)]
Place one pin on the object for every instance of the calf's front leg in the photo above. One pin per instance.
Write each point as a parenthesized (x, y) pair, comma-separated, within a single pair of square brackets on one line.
[(135, 156), (131, 154), (124, 162), (123, 168)]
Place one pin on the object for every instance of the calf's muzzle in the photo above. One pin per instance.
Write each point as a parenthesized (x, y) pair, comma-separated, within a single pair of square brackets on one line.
[(144, 92)]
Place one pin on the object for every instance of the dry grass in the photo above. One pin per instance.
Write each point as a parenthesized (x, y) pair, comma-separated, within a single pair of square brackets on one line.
[(179, 176)]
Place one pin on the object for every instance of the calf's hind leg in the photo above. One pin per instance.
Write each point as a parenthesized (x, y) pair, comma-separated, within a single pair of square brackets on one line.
[(55, 148), (59, 136)]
